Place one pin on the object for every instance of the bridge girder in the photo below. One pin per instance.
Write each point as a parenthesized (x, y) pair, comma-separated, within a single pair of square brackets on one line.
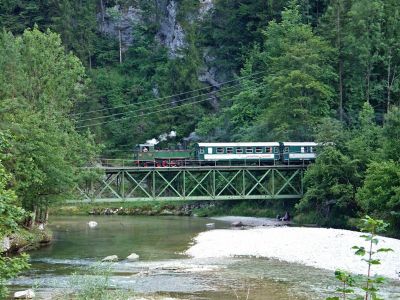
[(199, 183)]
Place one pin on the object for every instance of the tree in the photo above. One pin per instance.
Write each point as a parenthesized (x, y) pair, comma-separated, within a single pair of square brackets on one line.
[(333, 27), (299, 78), (362, 48), (391, 50), (391, 135), (380, 194), (330, 188), (365, 138), (41, 83)]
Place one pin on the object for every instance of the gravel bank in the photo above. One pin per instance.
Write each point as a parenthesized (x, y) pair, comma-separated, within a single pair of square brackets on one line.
[(317, 247)]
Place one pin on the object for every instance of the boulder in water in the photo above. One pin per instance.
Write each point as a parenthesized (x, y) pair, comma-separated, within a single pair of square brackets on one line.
[(92, 224), (237, 224), (27, 294), (133, 257), (110, 258)]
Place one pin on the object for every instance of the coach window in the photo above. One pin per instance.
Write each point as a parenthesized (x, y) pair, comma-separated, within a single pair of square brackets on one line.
[(249, 150), (276, 149), (239, 150), (311, 149), (229, 150), (268, 149), (259, 149), (220, 150), (286, 149), (201, 150)]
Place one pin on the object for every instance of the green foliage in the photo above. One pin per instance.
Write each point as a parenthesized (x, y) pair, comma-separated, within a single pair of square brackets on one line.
[(10, 216), (221, 29), (371, 284), (95, 284), (330, 193), (296, 73), (346, 288), (10, 268), (391, 135), (380, 194), (40, 85)]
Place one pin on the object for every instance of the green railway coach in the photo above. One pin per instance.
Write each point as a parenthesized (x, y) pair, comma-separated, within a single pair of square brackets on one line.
[(260, 152), (299, 151)]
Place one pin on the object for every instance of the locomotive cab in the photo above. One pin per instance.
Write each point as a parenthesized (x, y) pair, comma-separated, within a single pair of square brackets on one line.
[(144, 152)]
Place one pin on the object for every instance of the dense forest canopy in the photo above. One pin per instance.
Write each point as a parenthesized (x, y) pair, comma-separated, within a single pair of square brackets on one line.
[(79, 73)]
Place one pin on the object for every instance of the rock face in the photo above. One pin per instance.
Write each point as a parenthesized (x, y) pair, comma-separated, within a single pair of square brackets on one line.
[(110, 258), (205, 7), (133, 257), (171, 33), (116, 20), (27, 294)]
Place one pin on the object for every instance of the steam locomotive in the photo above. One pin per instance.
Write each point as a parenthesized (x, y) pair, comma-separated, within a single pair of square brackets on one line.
[(257, 153)]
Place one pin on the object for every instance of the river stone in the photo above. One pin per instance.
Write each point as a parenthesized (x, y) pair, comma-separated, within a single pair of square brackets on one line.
[(110, 258), (210, 225), (166, 212), (133, 257), (27, 294)]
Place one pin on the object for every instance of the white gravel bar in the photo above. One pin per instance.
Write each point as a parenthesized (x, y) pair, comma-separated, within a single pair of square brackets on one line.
[(316, 247)]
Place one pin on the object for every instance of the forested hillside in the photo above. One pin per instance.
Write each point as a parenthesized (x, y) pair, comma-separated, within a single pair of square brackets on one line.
[(122, 72)]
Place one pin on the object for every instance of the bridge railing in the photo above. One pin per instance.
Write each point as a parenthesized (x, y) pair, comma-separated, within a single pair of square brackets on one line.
[(126, 163)]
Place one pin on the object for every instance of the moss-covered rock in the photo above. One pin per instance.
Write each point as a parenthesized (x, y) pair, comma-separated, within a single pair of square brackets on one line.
[(29, 239)]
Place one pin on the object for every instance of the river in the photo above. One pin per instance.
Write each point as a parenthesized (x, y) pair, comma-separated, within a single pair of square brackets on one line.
[(163, 269)]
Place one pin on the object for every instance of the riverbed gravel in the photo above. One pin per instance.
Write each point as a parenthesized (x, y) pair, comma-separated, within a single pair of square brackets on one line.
[(316, 247)]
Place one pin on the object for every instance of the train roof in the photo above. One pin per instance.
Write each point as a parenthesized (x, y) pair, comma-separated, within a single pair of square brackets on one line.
[(256, 144), (299, 144)]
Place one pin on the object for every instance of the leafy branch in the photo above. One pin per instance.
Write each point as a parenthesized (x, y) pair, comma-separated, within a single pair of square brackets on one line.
[(371, 285)]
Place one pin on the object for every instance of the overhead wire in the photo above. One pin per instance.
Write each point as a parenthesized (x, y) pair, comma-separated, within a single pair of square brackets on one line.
[(161, 110), (157, 105), (169, 96)]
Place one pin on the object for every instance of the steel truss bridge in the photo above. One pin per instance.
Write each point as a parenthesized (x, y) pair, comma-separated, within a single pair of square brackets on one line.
[(250, 182)]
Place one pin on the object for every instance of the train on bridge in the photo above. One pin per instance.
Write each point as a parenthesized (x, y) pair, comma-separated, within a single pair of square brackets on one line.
[(203, 154)]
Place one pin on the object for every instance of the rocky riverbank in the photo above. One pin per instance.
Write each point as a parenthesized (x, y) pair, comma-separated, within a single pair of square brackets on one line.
[(28, 239), (178, 208), (140, 209)]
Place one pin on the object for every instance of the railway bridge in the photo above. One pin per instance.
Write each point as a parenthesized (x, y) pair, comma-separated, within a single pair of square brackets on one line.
[(126, 183)]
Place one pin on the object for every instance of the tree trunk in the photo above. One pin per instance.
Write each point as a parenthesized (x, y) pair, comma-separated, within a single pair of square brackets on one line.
[(388, 82), (339, 45), (102, 10), (90, 60), (46, 218), (120, 46), (368, 80)]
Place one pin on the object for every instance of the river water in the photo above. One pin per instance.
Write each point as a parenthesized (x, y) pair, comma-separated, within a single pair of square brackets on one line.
[(163, 270)]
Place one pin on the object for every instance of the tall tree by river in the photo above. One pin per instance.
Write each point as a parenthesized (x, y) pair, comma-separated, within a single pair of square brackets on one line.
[(39, 85)]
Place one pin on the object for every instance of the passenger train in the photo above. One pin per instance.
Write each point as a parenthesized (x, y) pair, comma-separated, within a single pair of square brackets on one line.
[(261, 153)]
